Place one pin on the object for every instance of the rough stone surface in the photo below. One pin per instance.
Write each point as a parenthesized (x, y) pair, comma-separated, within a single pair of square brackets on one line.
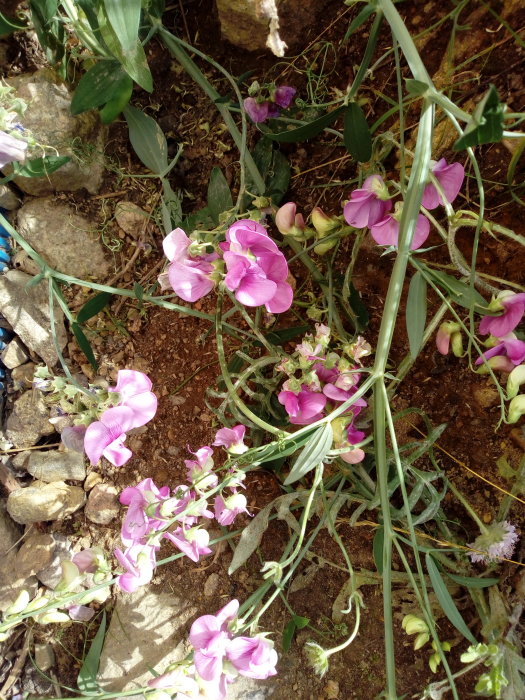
[(102, 505), (49, 118), (11, 584), (8, 199), (14, 354), (27, 310), (44, 656), (34, 555), (92, 479), (40, 502), (22, 376), (55, 465), (10, 532), (131, 218), (51, 575), (58, 234), (29, 420)]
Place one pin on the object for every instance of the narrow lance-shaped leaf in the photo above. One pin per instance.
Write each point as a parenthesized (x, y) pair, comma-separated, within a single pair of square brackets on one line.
[(93, 306), (219, 195), (416, 312), (87, 676), (313, 453), (147, 139), (38, 167), (357, 138)]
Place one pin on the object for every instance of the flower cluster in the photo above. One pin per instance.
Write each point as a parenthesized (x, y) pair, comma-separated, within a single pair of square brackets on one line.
[(319, 380), (496, 542), (255, 269), (370, 206), (267, 101), (219, 657), (155, 513)]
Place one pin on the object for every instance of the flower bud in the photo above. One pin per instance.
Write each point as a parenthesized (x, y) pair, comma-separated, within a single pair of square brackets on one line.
[(37, 603), (317, 657), (272, 570), (288, 222), (19, 605), (414, 625), (515, 380), (500, 363), (323, 223), (516, 408), (449, 333), (53, 616)]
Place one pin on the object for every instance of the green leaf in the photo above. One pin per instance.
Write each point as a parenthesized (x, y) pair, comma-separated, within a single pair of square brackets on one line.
[(219, 195), (284, 335), (416, 312), (486, 123), (121, 97), (8, 25), (296, 623), (377, 548), (87, 676), (358, 20), (93, 306), (147, 139), (138, 290), (460, 292), (445, 600), (124, 18), (359, 308), (357, 138), (133, 61), (84, 345), (306, 131), (98, 85), (39, 167), (472, 582), (313, 453), (415, 87), (274, 168)]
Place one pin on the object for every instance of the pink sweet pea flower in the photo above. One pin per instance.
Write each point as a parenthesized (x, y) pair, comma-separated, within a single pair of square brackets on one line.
[(509, 347), (450, 178), (189, 275), (253, 657), (232, 439), (283, 96), (200, 472), (134, 389), (303, 408), (210, 637), (369, 204), (257, 111), (106, 436), (386, 231), (136, 523), (140, 562), (11, 149), (513, 306), (193, 542), (80, 613), (256, 269), (226, 510), (288, 222), (72, 437)]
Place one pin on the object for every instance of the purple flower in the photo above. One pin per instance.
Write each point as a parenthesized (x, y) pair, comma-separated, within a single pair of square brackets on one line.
[(283, 95), (139, 562), (497, 542), (106, 436), (509, 347), (73, 437), (189, 275), (134, 389), (253, 657), (304, 407), (257, 111), (11, 149), (210, 637), (512, 305), (256, 269), (193, 542), (369, 204), (226, 510), (386, 231), (450, 178), (232, 439)]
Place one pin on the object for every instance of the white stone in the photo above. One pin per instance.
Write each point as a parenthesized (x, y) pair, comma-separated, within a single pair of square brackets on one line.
[(14, 354), (54, 465)]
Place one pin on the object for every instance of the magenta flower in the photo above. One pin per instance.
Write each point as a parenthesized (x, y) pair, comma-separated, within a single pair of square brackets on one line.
[(226, 510), (256, 269), (386, 231), (232, 439), (253, 657), (497, 542), (210, 637), (193, 542), (513, 307), (11, 149), (106, 436), (134, 389), (369, 204), (189, 275), (137, 523), (508, 347), (283, 95), (450, 178), (139, 562), (257, 111), (303, 408)]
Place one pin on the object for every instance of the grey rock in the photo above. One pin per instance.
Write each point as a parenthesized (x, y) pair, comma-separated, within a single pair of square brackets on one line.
[(92, 479), (27, 310), (51, 575), (34, 555), (102, 505), (10, 532), (23, 376), (131, 218), (14, 354), (29, 420), (8, 199), (44, 657), (11, 583), (49, 118), (40, 502), (55, 465), (59, 234)]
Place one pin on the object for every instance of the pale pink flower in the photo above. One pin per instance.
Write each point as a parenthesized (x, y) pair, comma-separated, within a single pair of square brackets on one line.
[(513, 307), (253, 657), (137, 523), (190, 276), (86, 561), (303, 407), (449, 331), (192, 542), (72, 437), (386, 231), (369, 204), (200, 472), (450, 178), (11, 149), (106, 436), (134, 390), (227, 509), (232, 439), (509, 347), (210, 637), (288, 221), (139, 562), (80, 613), (497, 542)]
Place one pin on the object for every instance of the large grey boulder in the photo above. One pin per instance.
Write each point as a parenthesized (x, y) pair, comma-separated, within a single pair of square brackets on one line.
[(40, 502), (54, 465), (49, 118), (63, 238)]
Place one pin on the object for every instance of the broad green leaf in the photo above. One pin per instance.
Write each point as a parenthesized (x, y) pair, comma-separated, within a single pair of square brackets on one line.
[(460, 292), (445, 600), (134, 62), (124, 17), (147, 139), (138, 290), (296, 623), (274, 168), (486, 123), (39, 167), (84, 345), (357, 138), (416, 312), (8, 25), (93, 306), (472, 582), (306, 131), (121, 97), (98, 85), (377, 548), (359, 19), (219, 195), (313, 453), (87, 676)]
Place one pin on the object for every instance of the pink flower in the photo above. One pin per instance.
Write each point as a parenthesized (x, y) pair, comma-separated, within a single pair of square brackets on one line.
[(11, 149), (353, 456), (256, 269), (189, 275), (226, 510), (449, 332), (253, 657), (288, 221), (283, 95), (510, 347), (134, 389), (86, 561), (513, 306), (369, 204), (106, 436), (210, 637), (450, 178), (232, 439), (139, 562), (497, 542), (257, 111), (136, 523), (303, 408), (386, 231), (73, 437), (193, 542), (200, 472)]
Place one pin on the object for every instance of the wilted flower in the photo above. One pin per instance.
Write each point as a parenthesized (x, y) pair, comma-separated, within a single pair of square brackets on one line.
[(257, 111), (450, 178), (189, 275), (497, 542), (513, 307), (283, 95), (369, 204)]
